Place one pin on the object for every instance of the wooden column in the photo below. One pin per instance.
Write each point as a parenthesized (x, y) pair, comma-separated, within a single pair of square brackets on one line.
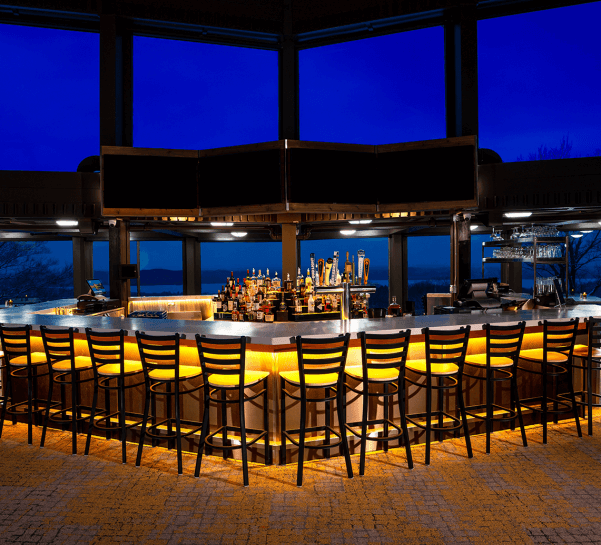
[(289, 251), (116, 82), (119, 254), (288, 126), (461, 70), (398, 268), (83, 265), (191, 266)]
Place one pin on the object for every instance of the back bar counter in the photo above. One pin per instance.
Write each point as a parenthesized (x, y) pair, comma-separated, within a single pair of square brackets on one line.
[(270, 347)]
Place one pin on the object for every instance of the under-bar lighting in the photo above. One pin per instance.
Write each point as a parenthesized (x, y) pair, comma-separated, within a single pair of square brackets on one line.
[(67, 223), (222, 224), (347, 232), (357, 222), (517, 214), (239, 234)]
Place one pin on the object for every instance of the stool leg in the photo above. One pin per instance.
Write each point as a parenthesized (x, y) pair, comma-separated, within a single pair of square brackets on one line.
[(266, 423), (107, 407), (386, 415), (204, 430), (589, 397), (169, 414), (517, 404), (466, 431), (301, 440), (153, 420), (7, 393), (328, 423), (345, 449), (29, 405), (401, 398), (282, 422), (74, 380), (121, 409), (178, 430), (144, 423), (224, 440), (365, 400), (573, 398), (489, 414), (544, 404), (440, 408), (428, 416), (48, 403), (92, 416), (243, 434)]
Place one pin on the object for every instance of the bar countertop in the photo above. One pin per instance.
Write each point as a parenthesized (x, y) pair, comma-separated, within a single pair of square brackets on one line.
[(281, 333)]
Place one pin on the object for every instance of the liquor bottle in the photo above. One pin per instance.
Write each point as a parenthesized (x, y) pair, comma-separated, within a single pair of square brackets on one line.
[(300, 281), (288, 283), (247, 279), (260, 280), (230, 303), (348, 270), (308, 282), (267, 281), (222, 294), (253, 280), (217, 302), (276, 283), (394, 309), (311, 304), (269, 316), (298, 308), (232, 281)]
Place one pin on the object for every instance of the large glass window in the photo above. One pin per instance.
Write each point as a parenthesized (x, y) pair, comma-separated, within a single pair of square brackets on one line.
[(219, 259), (539, 76), (49, 105), (429, 263), (374, 91), (190, 95)]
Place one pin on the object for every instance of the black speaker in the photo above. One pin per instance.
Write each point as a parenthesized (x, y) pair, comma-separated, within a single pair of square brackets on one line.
[(128, 271)]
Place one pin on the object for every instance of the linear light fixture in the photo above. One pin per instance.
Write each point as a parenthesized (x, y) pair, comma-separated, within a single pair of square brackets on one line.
[(587, 232), (576, 235), (347, 232), (67, 223), (239, 234), (362, 222), (517, 214), (473, 227), (222, 224)]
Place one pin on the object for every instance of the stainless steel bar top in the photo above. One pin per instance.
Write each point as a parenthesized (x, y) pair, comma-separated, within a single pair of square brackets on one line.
[(282, 333)]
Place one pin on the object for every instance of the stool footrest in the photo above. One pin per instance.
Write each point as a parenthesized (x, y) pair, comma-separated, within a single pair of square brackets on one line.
[(173, 435), (374, 422), (512, 414), (434, 416), (250, 442), (568, 408), (315, 428)]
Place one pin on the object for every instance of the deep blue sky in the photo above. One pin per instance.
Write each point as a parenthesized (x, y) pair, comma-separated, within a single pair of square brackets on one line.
[(539, 80)]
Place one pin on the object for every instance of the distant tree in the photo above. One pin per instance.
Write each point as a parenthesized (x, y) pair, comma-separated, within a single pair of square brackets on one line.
[(563, 151), (27, 269)]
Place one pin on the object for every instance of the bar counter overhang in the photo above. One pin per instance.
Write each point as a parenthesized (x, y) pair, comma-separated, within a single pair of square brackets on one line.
[(270, 348)]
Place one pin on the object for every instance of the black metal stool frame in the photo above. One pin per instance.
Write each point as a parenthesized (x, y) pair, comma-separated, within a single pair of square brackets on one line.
[(59, 346), (107, 348), (501, 341), (156, 353), (441, 347), (16, 343), (209, 352), (558, 336), (396, 347), (334, 350)]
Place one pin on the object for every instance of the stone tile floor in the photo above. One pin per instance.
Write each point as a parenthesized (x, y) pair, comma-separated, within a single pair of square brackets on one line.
[(540, 494)]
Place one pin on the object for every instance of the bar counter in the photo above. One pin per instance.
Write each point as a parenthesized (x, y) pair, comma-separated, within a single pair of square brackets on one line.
[(270, 348)]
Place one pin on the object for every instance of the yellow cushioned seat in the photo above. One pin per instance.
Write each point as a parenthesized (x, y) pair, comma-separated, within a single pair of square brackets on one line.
[(581, 350), (495, 361), (326, 380), (250, 378), (36, 357), (383, 375), (536, 354), (185, 372), (81, 363), (437, 368), (114, 369)]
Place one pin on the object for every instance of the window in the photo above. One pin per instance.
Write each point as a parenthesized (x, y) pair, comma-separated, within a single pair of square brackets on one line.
[(49, 99), (429, 264), (190, 95), (375, 91), (539, 76)]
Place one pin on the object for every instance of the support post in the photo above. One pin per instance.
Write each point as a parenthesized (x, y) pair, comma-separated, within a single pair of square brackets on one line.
[(191, 266), (461, 252), (398, 268), (288, 125), (83, 265), (116, 82), (511, 273), (289, 251), (119, 254)]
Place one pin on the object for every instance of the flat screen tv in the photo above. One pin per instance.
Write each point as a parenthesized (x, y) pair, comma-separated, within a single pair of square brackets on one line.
[(428, 175), (142, 181)]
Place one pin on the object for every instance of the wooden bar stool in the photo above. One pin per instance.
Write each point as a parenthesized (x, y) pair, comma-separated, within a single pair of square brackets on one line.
[(555, 360), (445, 357), (499, 363), (107, 352), (65, 369), (590, 358), (321, 363), (21, 363), (383, 358), (164, 376), (223, 364)]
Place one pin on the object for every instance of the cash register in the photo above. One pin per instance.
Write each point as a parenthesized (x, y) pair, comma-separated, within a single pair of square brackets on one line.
[(95, 299)]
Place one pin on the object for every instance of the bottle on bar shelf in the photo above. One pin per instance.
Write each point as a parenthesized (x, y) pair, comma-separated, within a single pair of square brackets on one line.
[(267, 280), (276, 283), (394, 309), (260, 280), (311, 304)]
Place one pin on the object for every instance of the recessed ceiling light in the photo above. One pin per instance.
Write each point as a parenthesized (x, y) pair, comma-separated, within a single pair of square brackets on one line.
[(576, 235), (239, 234), (67, 223), (357, 222), (347, 232), (473, 227), (517, 214), (221, 224), (587, 231)]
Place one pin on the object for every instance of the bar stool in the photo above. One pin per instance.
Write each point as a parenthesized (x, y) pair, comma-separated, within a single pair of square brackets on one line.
[(65, 369), (499, 363), (555, 359), (107, 352), (383, 358), (590, 356), (164, 376), (321, 363), (21, 363), (223, 364), (445, 356)]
